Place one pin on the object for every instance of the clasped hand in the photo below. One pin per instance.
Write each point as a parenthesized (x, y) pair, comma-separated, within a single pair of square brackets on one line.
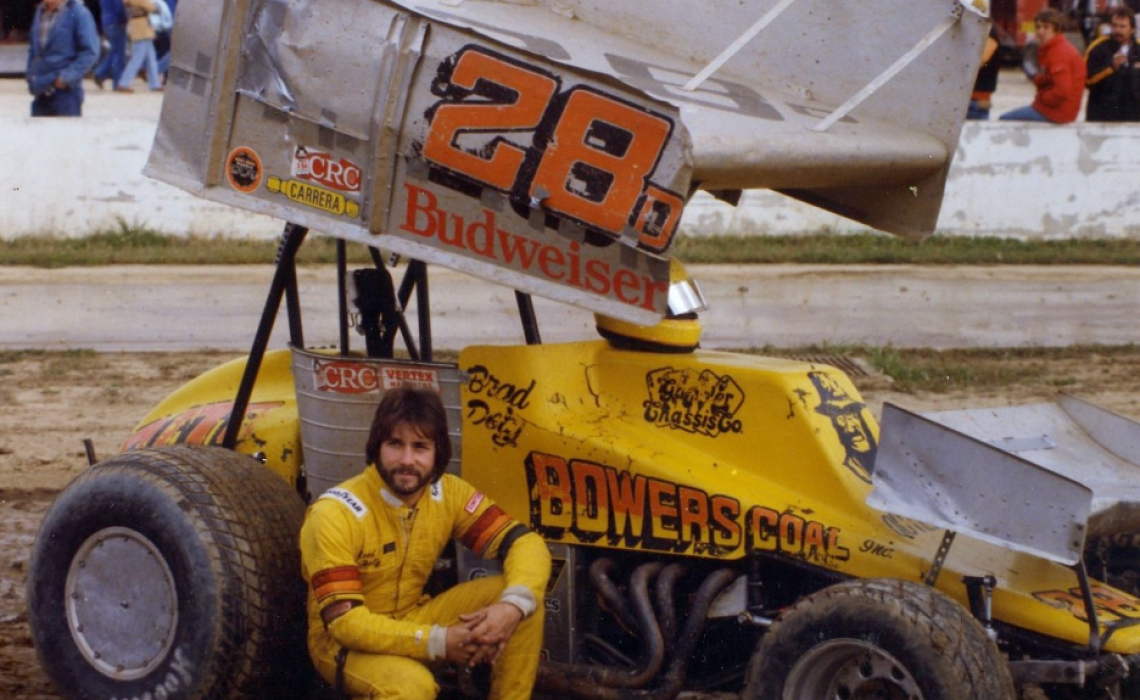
[(480, 636)]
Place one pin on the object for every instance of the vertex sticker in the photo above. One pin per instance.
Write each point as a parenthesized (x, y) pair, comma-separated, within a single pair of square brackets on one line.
[(326, 169), (313, 196), (473, 502), (349, 499), (414, 377), (243, 169)]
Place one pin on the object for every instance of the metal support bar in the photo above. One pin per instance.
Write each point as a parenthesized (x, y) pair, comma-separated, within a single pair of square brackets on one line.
[(939, 558), (923, 44), (342, 294), (423, 307), (291, 241), (735, 46), (293, 310), (1095, 642), (529, 320), (980, 592), (405, 329)]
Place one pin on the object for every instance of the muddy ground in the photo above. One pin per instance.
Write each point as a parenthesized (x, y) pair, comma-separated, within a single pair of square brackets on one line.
[(50, 402)]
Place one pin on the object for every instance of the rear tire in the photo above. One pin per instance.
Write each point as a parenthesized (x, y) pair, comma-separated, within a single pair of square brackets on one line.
[(173, 574), (877, 638)]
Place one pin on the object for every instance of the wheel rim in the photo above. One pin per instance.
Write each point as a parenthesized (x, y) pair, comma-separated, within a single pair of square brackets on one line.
[(849, 669), (122, 604)]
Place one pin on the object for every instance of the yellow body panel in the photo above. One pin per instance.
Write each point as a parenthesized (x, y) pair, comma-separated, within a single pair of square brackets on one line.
[(197, 413), (718, 455)]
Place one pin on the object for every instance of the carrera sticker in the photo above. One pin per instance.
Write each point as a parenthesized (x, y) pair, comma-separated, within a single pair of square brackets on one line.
[(349, 499), (692, 401), (313, 196), (846, 416), (585, 155), (243, 169), (473, 502), (1110, 605), (585, 501), (200, 425), (495, 405), (326, 169)]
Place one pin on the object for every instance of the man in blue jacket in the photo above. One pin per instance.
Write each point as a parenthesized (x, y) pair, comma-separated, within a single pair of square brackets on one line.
[(114, 17), (62, 47)]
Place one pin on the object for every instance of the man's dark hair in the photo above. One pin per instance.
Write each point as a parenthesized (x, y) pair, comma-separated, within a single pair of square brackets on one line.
[(421, 409), (1051, 16), (1125, 13)]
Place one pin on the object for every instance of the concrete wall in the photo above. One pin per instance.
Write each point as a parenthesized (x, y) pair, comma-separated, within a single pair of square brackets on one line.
[(76, 177)]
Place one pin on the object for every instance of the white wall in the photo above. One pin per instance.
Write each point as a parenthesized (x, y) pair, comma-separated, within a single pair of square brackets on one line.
[(76, 177)]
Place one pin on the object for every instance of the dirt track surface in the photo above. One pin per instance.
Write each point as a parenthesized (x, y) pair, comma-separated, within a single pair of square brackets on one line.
[(173, 308), (50, 402)]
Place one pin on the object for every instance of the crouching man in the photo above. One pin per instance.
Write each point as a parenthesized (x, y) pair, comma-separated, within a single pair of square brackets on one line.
[(368, 548)]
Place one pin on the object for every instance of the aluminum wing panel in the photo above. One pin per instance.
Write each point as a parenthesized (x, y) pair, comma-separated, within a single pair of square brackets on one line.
[(372, 123), (931, 473)]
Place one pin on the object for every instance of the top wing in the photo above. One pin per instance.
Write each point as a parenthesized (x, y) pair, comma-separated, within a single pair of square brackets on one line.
[(551, 146), (820, 99)]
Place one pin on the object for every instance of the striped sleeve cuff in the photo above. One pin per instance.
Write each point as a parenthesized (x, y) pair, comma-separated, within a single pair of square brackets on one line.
[(437, 643), (521, 598)]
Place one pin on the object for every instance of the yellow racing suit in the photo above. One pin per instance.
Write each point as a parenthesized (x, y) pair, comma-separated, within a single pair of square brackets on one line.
[(362, 546)]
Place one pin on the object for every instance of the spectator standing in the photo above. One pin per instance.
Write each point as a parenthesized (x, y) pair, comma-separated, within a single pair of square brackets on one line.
[(1060, 78), (986, 83), (1114, 72), (114, 17), (62, 47), (141, 34)]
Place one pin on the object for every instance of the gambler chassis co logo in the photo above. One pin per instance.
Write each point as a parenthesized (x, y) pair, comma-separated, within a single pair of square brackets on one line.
[(696, 402)]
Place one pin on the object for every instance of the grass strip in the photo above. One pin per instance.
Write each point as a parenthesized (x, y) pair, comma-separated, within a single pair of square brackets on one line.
[(917, 370), (141, 245)]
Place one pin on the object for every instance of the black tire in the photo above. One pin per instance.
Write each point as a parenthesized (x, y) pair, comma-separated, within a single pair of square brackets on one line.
[(171, 574), (877, 638)]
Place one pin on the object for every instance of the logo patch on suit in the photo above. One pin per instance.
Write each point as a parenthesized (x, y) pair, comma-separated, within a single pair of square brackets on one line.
[(349, 499)]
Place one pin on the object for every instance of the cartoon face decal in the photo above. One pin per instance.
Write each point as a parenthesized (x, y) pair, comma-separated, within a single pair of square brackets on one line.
[(846, 416)]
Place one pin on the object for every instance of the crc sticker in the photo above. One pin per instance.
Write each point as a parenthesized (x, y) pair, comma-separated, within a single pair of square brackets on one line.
[(243, 169), (347, 377), (313, 196), (326, 169), (344, 377), (695, 402)]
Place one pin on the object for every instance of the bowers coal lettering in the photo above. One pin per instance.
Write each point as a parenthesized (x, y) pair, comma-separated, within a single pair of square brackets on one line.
[(590, 502), (790, 534)]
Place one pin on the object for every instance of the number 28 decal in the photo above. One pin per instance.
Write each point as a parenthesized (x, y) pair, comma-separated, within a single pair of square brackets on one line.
[(590, 158)]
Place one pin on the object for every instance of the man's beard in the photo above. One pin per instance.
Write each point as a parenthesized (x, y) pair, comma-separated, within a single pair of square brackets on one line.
[(401, 490)]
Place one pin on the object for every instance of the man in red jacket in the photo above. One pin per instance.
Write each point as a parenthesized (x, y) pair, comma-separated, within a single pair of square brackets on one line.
[(1060, 78)]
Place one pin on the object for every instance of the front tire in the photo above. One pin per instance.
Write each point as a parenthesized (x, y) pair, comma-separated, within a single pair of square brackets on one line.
[(874, 638), (171, 573)]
